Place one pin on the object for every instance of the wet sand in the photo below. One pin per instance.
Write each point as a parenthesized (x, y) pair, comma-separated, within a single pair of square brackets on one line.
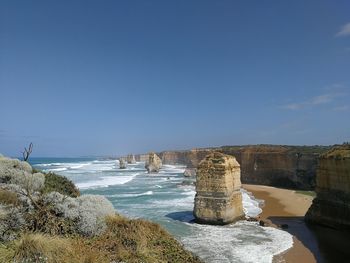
[(282, 203), (312, 243)]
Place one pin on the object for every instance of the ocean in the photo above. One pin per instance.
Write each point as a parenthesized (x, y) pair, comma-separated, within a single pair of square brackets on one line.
[(167, 198)]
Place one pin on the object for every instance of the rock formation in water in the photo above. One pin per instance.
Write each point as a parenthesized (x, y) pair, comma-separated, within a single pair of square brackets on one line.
[(131, 159), (190, 172), (122, 163), (218, 197), (331, 207), (274, 165), (153, 164)]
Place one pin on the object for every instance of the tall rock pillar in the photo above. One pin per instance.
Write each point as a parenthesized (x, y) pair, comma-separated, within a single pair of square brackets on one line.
[(218, 199)]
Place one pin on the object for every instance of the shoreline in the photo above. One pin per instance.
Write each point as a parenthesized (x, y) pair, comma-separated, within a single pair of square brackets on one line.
[(283, 206)]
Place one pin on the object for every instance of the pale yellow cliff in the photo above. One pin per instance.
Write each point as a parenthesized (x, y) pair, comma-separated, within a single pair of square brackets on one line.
[(331, 207)]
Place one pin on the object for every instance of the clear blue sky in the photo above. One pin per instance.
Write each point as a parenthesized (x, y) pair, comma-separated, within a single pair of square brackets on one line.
[(113, 77)]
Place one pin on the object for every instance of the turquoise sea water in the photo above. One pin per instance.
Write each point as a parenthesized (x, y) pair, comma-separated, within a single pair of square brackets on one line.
[(167, 198)]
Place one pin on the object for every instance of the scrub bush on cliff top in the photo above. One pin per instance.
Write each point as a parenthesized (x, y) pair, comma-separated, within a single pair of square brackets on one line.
[(60, 184), (11, 222), (87, 211), (10, 168)]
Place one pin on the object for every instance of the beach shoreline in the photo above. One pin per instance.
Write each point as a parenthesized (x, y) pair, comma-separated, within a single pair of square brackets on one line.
[(287, 207)]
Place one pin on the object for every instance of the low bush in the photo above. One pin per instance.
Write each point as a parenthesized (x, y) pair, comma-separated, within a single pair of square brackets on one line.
[(12, 167), (60, 184), (11, 222), (86, 211)]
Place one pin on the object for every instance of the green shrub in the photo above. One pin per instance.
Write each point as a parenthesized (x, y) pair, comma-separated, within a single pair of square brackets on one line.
[(61, 184)]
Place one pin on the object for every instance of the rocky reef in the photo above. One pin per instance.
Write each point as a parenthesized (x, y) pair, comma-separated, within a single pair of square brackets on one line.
[(218, 197), (331, 207), (274, 165), (122, 163), (43, 218), (130, 158), (153, 164)]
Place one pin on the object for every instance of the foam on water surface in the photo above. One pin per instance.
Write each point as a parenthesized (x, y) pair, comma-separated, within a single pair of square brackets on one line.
[(106, 181)]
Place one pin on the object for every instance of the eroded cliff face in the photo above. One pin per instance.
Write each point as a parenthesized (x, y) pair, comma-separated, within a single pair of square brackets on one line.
[(189, 158), (274, 165), (331, 207), (218, 197)]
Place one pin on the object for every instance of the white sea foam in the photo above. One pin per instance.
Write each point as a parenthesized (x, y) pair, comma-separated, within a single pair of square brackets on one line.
[(251, 206), (240, 242), (131, 194), (106, 181)]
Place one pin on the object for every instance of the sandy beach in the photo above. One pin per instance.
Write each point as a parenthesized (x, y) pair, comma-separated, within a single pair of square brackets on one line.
[(284, 206)]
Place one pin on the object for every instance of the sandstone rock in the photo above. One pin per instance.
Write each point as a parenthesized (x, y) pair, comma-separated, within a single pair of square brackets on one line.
[(218, 199), (331, 207), (131, 159), (190, 172), (153, 164), (122, 164)]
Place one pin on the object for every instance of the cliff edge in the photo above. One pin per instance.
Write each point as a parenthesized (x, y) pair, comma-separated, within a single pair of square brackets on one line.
[(331, 207)]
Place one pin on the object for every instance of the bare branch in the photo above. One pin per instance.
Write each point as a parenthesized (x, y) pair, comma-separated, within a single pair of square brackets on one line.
[(27, 152)]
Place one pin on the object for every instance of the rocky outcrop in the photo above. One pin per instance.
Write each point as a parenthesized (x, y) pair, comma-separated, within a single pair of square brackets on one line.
[(190, 172), (331, 207), (218, 197), (153, 164), (130, 159), (122, 163), (274, 165)]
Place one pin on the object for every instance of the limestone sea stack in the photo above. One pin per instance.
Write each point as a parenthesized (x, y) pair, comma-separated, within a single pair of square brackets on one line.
[(130, 159), (153, 164), (331, 207), (122, 163), (218, 197)]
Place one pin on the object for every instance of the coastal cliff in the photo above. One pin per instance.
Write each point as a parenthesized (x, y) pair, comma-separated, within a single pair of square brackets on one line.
[(273, 165), (331, 207)]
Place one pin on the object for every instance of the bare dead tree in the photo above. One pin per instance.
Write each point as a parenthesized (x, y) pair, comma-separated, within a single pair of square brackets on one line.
[(27, 152)]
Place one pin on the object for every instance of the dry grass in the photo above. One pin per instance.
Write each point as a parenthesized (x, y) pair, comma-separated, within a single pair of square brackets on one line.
[(140, 241), (8, 197), (124, 241), (39, 248), (36, 248)]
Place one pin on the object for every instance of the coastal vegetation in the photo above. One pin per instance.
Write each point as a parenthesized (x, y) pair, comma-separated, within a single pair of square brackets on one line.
[(43, 218)]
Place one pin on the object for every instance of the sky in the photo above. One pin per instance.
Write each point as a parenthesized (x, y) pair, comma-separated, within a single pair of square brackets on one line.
[(81, 78)]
